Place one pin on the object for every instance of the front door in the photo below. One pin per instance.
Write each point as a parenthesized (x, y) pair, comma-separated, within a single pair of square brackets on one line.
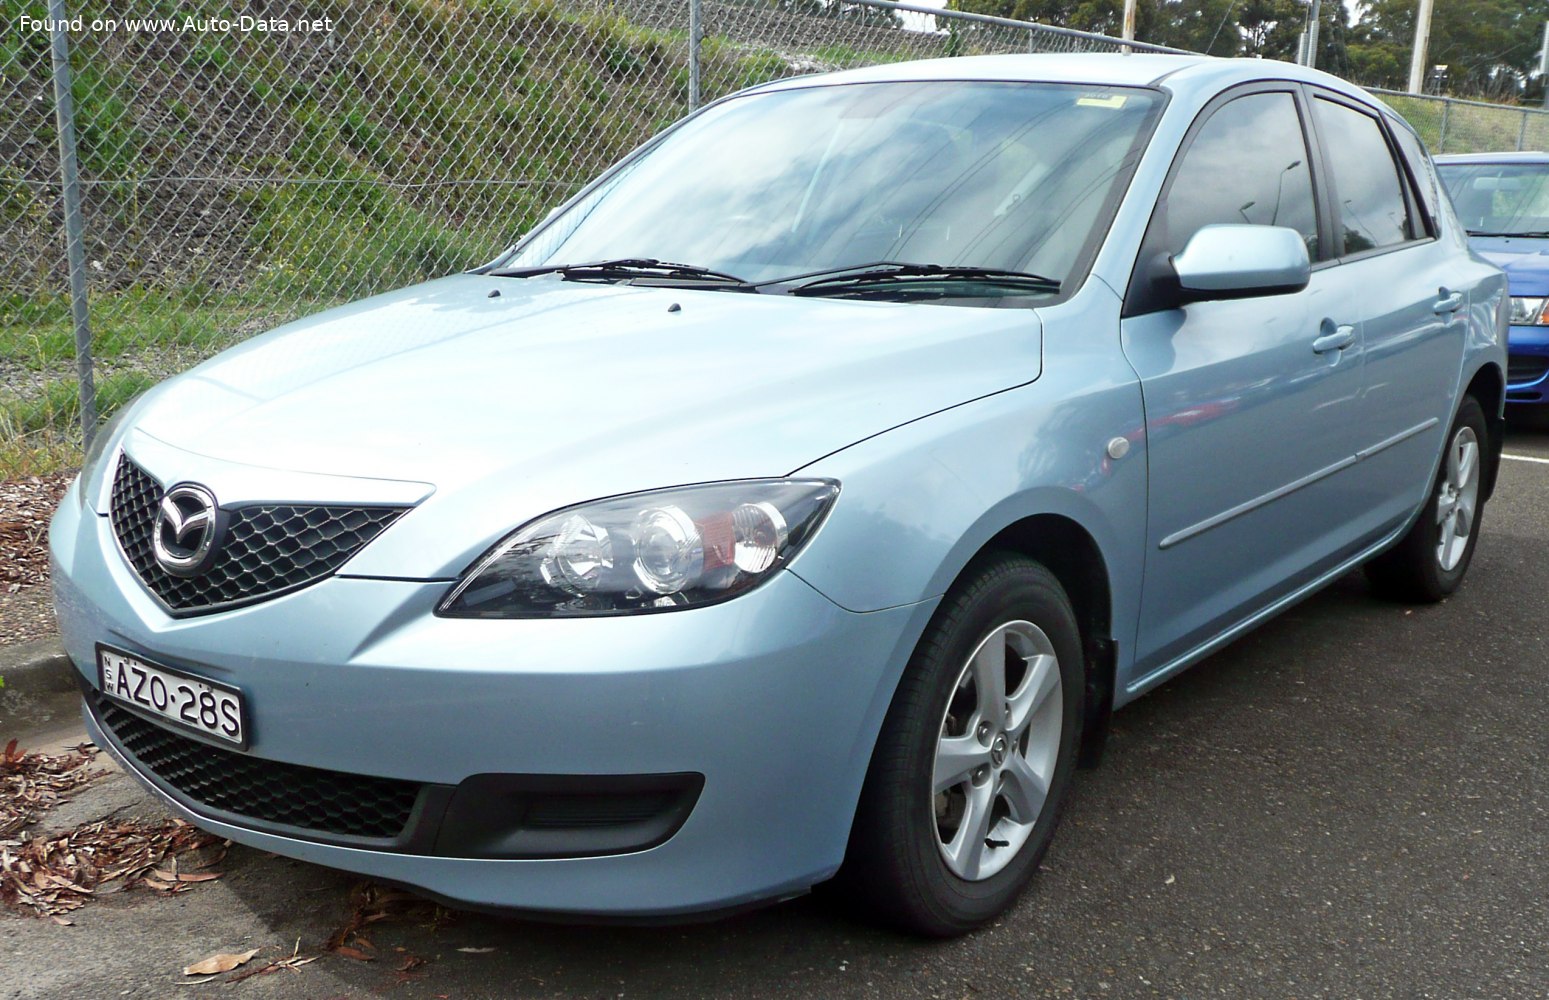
[(1251, 405)]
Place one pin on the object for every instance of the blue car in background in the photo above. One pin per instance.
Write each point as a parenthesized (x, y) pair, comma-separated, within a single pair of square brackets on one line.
[(1503, 201)]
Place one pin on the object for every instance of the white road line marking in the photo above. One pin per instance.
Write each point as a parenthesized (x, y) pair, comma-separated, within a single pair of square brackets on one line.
[(1527, 458)]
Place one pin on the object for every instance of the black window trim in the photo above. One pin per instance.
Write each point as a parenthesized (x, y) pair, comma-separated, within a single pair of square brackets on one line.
[(1431, 219), (1140, 296), (1406, 183)]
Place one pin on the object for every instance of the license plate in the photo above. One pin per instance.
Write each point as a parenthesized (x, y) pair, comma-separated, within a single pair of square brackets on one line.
[(210, 709)]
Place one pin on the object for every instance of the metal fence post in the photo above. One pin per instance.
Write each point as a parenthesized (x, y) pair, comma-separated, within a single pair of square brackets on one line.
[(693, 54), (1441, 140), (1522, 132), (75, 246)]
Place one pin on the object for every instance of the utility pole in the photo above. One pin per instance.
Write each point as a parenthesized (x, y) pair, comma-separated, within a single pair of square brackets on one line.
[(1543, 65), (1422, 45), (75, 229), (1312, 33), (1128, 32)]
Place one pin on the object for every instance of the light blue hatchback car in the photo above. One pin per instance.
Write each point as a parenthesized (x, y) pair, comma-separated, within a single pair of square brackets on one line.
[(800, 498)]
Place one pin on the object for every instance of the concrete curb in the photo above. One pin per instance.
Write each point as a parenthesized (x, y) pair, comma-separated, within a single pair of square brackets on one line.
[(40, 665)]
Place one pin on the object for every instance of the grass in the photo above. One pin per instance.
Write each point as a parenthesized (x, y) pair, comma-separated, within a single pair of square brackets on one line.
[(40, 433), (365, 136), (39, 335), (59, 402), (1469, 128)]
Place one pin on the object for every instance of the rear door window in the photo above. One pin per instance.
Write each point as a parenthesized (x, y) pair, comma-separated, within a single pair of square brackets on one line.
[(1368, 190)]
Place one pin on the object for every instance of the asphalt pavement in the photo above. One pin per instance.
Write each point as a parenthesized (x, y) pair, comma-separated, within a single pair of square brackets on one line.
[(1350, 802)]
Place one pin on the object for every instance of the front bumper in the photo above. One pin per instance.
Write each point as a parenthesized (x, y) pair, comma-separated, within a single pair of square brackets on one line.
[(1527, 363), (774, 699)]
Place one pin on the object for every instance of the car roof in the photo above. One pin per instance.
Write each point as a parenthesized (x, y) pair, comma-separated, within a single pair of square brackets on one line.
[(1140, 69), (1513, 156)]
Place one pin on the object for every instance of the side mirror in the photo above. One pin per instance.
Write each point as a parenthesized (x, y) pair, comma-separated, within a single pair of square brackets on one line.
[(1239, 262)]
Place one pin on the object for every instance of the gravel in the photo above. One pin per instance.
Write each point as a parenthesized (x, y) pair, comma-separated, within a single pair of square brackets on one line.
[(26, 613)]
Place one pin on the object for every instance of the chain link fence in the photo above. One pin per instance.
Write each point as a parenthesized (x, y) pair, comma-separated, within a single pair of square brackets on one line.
[(1449, 125), (245, 163)]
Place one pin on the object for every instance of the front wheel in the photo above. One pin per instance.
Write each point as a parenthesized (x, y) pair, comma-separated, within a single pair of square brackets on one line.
[(1429, 563), (976, 755)]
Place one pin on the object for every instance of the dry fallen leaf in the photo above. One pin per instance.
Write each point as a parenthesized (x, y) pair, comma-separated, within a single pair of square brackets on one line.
[(217, 964), (374, 903), (168, 876), (31, 783), (294, 962)]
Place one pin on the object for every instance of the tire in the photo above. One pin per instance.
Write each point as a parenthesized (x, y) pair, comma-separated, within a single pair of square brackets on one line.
[(915, 859), (1429, 562)]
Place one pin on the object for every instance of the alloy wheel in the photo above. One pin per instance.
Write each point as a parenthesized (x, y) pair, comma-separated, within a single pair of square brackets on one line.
[(1457, 498), (995, 757)]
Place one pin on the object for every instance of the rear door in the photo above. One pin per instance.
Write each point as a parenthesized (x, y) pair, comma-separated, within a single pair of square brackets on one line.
[(1252, 405), (1407, 293)]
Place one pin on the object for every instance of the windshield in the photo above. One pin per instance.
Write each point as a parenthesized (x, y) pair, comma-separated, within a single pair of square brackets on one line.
[(1013, 176), (1499, 199)]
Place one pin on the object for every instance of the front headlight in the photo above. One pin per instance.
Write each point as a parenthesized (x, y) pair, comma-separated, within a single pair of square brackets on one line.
[(658, 551), (1529, 311)]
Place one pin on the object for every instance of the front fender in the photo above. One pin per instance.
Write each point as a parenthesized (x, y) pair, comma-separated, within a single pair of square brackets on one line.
[(919, 502)]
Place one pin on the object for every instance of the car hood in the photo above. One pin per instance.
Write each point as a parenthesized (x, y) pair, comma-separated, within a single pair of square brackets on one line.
[(1525, 261), (553, 392)]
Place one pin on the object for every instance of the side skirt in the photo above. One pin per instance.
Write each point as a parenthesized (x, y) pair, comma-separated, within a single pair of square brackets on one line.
[(1263, 615)]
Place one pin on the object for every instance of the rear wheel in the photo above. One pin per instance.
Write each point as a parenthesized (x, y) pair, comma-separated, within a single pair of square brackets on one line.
[(1430, 561), (975, 757)]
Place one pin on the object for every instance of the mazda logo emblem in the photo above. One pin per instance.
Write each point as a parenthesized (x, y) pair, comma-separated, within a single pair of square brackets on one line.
[(184, 537)]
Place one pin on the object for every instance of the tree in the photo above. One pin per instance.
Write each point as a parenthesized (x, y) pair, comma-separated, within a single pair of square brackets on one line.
[(1490, 47), (1267, 28)]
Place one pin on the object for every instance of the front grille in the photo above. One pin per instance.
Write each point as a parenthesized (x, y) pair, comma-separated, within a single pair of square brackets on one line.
[(1522, 370), (308, 798), (268, 549)]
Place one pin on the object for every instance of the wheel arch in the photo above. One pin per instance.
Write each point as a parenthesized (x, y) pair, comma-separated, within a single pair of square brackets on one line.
[(1069, 551)]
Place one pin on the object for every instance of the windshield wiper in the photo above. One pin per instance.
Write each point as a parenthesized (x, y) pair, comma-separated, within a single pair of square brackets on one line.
[(624, 268), (843, 280), (1537, 234)]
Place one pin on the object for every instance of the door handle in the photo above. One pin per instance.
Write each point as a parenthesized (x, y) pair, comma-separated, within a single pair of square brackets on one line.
[(1335, 338), (1449, 302)]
